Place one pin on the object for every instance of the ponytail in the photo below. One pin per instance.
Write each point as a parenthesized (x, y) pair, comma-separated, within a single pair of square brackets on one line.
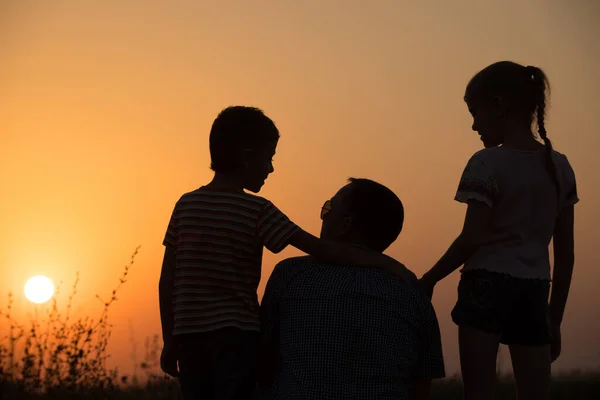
[(540, 85)]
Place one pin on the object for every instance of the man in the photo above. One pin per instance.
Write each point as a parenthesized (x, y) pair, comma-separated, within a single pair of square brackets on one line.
[(339, 332)]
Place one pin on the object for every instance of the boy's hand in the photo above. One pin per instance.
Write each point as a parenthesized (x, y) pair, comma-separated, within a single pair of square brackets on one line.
[(168, 360)]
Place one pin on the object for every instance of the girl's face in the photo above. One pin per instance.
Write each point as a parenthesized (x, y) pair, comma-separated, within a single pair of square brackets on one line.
[(487, 121)]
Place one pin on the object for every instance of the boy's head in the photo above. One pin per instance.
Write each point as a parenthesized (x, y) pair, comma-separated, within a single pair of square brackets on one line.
[(242, 143)]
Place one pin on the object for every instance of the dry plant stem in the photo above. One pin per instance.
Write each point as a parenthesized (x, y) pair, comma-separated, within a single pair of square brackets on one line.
[(56, 354)]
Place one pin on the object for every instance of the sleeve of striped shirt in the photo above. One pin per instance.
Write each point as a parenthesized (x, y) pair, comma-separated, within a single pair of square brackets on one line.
[(275, 229), (170, 239)]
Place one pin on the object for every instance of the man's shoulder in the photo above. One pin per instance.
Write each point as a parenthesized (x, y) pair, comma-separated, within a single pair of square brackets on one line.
[(285, 270), (413, 293), (407, 296), (295, 262), (289, 267)]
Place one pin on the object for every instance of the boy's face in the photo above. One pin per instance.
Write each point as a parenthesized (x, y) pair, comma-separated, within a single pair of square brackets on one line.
[(259, 164)]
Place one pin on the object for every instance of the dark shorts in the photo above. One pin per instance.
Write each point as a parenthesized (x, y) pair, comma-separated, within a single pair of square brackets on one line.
[(218, 364), (514, 308)]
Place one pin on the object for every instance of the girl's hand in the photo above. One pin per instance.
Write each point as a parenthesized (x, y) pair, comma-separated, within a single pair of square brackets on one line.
[(427, 286)]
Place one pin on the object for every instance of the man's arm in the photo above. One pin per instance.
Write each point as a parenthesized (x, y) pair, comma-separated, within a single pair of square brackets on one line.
[(430, 363), (269, 327)]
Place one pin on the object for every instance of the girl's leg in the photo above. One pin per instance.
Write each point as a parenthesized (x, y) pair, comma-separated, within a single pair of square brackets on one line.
[(478, 353), (528, 337), (531, 366)]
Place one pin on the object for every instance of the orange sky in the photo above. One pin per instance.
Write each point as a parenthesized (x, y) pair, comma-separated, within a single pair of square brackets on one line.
[(105, 111)]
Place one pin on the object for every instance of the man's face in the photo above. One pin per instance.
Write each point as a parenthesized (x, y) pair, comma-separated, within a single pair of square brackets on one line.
[(337, 223)]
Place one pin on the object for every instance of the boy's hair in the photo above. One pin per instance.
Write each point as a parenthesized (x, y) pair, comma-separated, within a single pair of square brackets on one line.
[(524, 88), (378, 214), (235, 129)]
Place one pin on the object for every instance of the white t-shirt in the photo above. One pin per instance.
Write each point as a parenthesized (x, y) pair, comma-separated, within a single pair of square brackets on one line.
[(518, 186)]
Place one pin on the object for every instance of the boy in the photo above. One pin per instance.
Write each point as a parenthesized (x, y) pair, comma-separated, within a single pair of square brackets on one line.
[(213, 255)]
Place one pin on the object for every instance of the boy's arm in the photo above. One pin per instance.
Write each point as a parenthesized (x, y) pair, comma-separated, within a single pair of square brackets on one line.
[(277, 231), (165, 295), (564, 261), (342, 253)]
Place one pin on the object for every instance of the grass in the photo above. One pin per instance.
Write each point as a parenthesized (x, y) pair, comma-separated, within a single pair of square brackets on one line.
[(55, 356), (572, 386)]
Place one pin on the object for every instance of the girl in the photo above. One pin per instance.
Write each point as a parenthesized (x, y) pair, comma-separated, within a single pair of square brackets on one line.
[(520, 195)]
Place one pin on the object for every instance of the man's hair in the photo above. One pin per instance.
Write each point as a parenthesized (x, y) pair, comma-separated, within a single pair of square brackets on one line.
[(377, 213), (237, 128)]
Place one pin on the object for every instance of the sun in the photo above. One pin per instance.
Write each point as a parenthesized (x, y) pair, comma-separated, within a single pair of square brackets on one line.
[(39, 289)]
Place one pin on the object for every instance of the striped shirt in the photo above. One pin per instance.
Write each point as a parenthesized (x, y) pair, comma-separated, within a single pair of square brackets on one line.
[(218, 238)]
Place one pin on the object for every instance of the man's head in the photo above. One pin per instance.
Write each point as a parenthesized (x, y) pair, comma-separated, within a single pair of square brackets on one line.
[(243, 141), (363, 212)]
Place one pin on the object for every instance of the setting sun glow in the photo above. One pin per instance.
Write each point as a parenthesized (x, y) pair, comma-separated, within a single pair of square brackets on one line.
[(106, 110), (39, 289)]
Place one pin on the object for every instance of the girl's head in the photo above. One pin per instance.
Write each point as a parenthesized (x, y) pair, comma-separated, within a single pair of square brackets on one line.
[(506, 97)]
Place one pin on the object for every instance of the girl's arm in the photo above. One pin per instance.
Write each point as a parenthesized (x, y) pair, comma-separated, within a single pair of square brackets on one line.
[(564, 260), (476, 222), (342, 253)]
